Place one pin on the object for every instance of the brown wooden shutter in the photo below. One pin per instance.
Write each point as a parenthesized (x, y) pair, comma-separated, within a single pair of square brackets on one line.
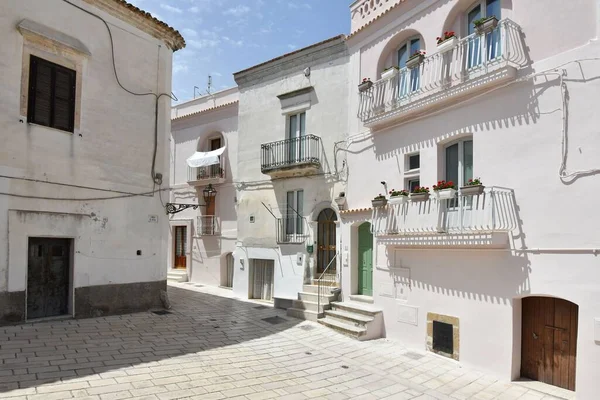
[(40, 93), (64, 101)]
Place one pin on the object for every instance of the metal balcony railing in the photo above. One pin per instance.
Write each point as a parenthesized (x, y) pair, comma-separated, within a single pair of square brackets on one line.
[(492, 211), (292, 229), (289, 153), (473, 58), (208, 225), (200, 174)]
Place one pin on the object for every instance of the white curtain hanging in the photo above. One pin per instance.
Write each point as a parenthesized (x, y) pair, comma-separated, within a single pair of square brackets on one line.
[(204, 159)]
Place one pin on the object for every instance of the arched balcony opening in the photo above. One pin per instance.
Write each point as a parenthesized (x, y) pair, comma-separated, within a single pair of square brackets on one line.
[(207, 164)]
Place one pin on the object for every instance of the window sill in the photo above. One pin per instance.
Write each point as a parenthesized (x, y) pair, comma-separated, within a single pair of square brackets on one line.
[(50, 128), (412, 173)]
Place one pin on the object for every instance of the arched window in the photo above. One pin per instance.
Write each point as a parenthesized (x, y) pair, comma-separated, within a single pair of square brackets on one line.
[(409, 78), (476, 46)]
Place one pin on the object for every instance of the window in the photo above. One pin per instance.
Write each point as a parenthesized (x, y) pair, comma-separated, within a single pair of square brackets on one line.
[(412, 184), (491, 44), (51, 95), (459, 162), (409, 78), (297, 138), (412, 164), (414, 161), (294, 211)]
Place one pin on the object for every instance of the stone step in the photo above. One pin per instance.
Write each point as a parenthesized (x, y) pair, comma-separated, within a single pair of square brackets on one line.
[(177, 276), (359, 298), (347, 329), (303, 314), (309, 305), (310, 288), (313, 297), (349, 317), (357, 308)]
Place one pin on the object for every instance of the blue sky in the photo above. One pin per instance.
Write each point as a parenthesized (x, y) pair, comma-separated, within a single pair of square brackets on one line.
[(226, 36)]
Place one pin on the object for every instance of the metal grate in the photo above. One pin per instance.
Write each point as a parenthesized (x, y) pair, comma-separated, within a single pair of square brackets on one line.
[(161, 312), (260, 307), (443, 339), (275, 320)]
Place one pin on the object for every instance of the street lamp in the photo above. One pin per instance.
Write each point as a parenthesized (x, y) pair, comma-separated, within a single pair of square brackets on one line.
[(209, 193)]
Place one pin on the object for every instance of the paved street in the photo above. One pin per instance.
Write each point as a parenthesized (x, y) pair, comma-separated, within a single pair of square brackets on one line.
[(212, 347)]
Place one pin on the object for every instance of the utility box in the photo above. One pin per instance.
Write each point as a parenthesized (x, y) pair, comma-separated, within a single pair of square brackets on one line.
[(309, 249)]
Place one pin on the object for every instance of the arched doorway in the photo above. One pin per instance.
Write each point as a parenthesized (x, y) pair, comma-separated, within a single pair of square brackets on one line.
[(549, 341), (365, 260), (326, 240)]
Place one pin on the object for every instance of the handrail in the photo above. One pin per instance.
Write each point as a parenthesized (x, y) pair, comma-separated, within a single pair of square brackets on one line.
[(284, 153), (319, 280)]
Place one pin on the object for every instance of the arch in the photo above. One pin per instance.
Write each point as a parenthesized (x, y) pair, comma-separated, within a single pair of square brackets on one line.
[(455, 19), (549, 340), (387, 57), (314, 216), (226, 275), (326, 240), (204, 140)]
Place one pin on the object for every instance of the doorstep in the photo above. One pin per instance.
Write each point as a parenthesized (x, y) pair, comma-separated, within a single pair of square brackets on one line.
[(545, 388), (360, 298)]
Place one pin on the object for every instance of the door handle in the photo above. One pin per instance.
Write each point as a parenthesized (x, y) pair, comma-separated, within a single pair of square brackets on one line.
[(535, 336)]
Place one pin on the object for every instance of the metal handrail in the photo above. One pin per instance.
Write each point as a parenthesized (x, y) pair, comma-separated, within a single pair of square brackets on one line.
[(305, 149), (319, 285)]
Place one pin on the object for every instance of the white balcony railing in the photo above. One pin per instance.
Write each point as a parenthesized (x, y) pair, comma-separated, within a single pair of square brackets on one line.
[(475, 62), (209, 174), (208, 225), (492, 211)]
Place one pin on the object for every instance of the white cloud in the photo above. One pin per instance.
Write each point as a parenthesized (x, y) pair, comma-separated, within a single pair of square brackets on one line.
[(177, 68), (292, 46), (237, 11), (194, 9), (202, 43), (236, 43), (217, 74), (307, 6), (171, 8), (189, 32)]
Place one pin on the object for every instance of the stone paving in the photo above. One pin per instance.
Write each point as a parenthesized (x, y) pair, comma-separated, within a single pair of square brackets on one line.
[(214, 347)]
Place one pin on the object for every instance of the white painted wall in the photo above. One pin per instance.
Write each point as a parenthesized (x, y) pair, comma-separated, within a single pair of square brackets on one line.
[(517, 133), (261, 120), (190, 132), (111, 151)]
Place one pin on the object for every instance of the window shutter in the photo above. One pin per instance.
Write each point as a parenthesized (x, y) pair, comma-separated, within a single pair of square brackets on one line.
[(64, 88), (40, 95)]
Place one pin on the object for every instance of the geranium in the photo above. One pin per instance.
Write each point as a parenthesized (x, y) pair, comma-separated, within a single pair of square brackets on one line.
[(447, 35), (366, 80), (474, 182), (379, 197), (418, 53), (481, 21), (441, 185), (396, 193), (420, 189)]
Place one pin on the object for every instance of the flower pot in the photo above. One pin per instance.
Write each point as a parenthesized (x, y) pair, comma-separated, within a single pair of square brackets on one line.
[(488, 25), (398, 200), (365, 86), (445, 194), (389, 73), (415, 61), (447, 45), (378, 202), (472, 190), (419, 197)]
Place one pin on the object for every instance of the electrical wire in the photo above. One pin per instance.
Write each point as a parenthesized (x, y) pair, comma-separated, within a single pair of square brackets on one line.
[(124, 196)]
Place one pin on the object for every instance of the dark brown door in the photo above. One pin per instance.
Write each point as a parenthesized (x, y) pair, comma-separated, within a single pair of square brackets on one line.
[(180, 245), (549, 341), (215, 170), (48, 277), (326, 240)]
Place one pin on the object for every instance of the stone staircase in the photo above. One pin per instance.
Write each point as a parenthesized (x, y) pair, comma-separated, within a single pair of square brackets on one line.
[(177, 275), (306, 307), (358, 320)]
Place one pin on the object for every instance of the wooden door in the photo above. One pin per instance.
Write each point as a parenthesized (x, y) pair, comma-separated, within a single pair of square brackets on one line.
[(48, 277), (365, 260), (326, 241), (180, 247), (549, 341), (215, 170)]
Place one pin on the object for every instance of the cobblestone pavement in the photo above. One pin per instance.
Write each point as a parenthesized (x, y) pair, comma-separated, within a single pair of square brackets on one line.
[(212, 347)]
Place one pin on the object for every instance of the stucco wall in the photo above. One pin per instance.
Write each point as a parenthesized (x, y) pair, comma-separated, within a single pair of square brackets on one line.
[(111, 151)]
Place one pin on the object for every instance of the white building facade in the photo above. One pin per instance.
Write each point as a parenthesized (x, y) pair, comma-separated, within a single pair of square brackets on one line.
[(203, 165), (505, 277), (292, 114), (82, 161)]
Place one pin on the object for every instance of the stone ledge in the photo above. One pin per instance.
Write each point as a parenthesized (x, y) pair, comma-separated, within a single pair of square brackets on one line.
[(13, 308)]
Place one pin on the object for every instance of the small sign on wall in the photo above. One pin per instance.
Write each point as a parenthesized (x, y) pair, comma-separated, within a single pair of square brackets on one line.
[(597, 330), (153, 219)]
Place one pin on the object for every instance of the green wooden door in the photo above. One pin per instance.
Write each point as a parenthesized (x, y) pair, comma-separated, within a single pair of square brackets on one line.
[(365, 260)]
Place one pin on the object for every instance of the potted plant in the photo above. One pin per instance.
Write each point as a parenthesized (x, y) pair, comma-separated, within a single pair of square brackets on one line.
[(365, 85), (341, 200), (485, 24), (420, 194), (379, 201), (473, 188), (398, 196), (447, 42), (444, 190), (389, 73), (416, 59)]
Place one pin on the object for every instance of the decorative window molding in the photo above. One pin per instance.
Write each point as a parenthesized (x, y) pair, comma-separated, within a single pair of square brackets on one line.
[(296, 101)]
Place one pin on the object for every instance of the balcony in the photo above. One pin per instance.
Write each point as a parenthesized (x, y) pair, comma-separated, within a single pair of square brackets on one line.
[(211, 174), (291, 157), (483, 219), (208, 225), (477, 63), (291, 230)]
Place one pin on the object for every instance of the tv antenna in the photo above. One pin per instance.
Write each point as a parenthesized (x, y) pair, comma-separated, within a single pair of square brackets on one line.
[(208, 88)]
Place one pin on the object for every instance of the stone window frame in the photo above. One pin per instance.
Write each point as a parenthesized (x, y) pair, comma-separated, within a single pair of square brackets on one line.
[(44, 46), (454, 321)]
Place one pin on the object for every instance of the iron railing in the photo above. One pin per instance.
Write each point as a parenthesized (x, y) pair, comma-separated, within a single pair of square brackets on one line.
[(289, 153), (473, 57), (208, 225), (201, 174), (292, 229), (492, 211), (325, 283)]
